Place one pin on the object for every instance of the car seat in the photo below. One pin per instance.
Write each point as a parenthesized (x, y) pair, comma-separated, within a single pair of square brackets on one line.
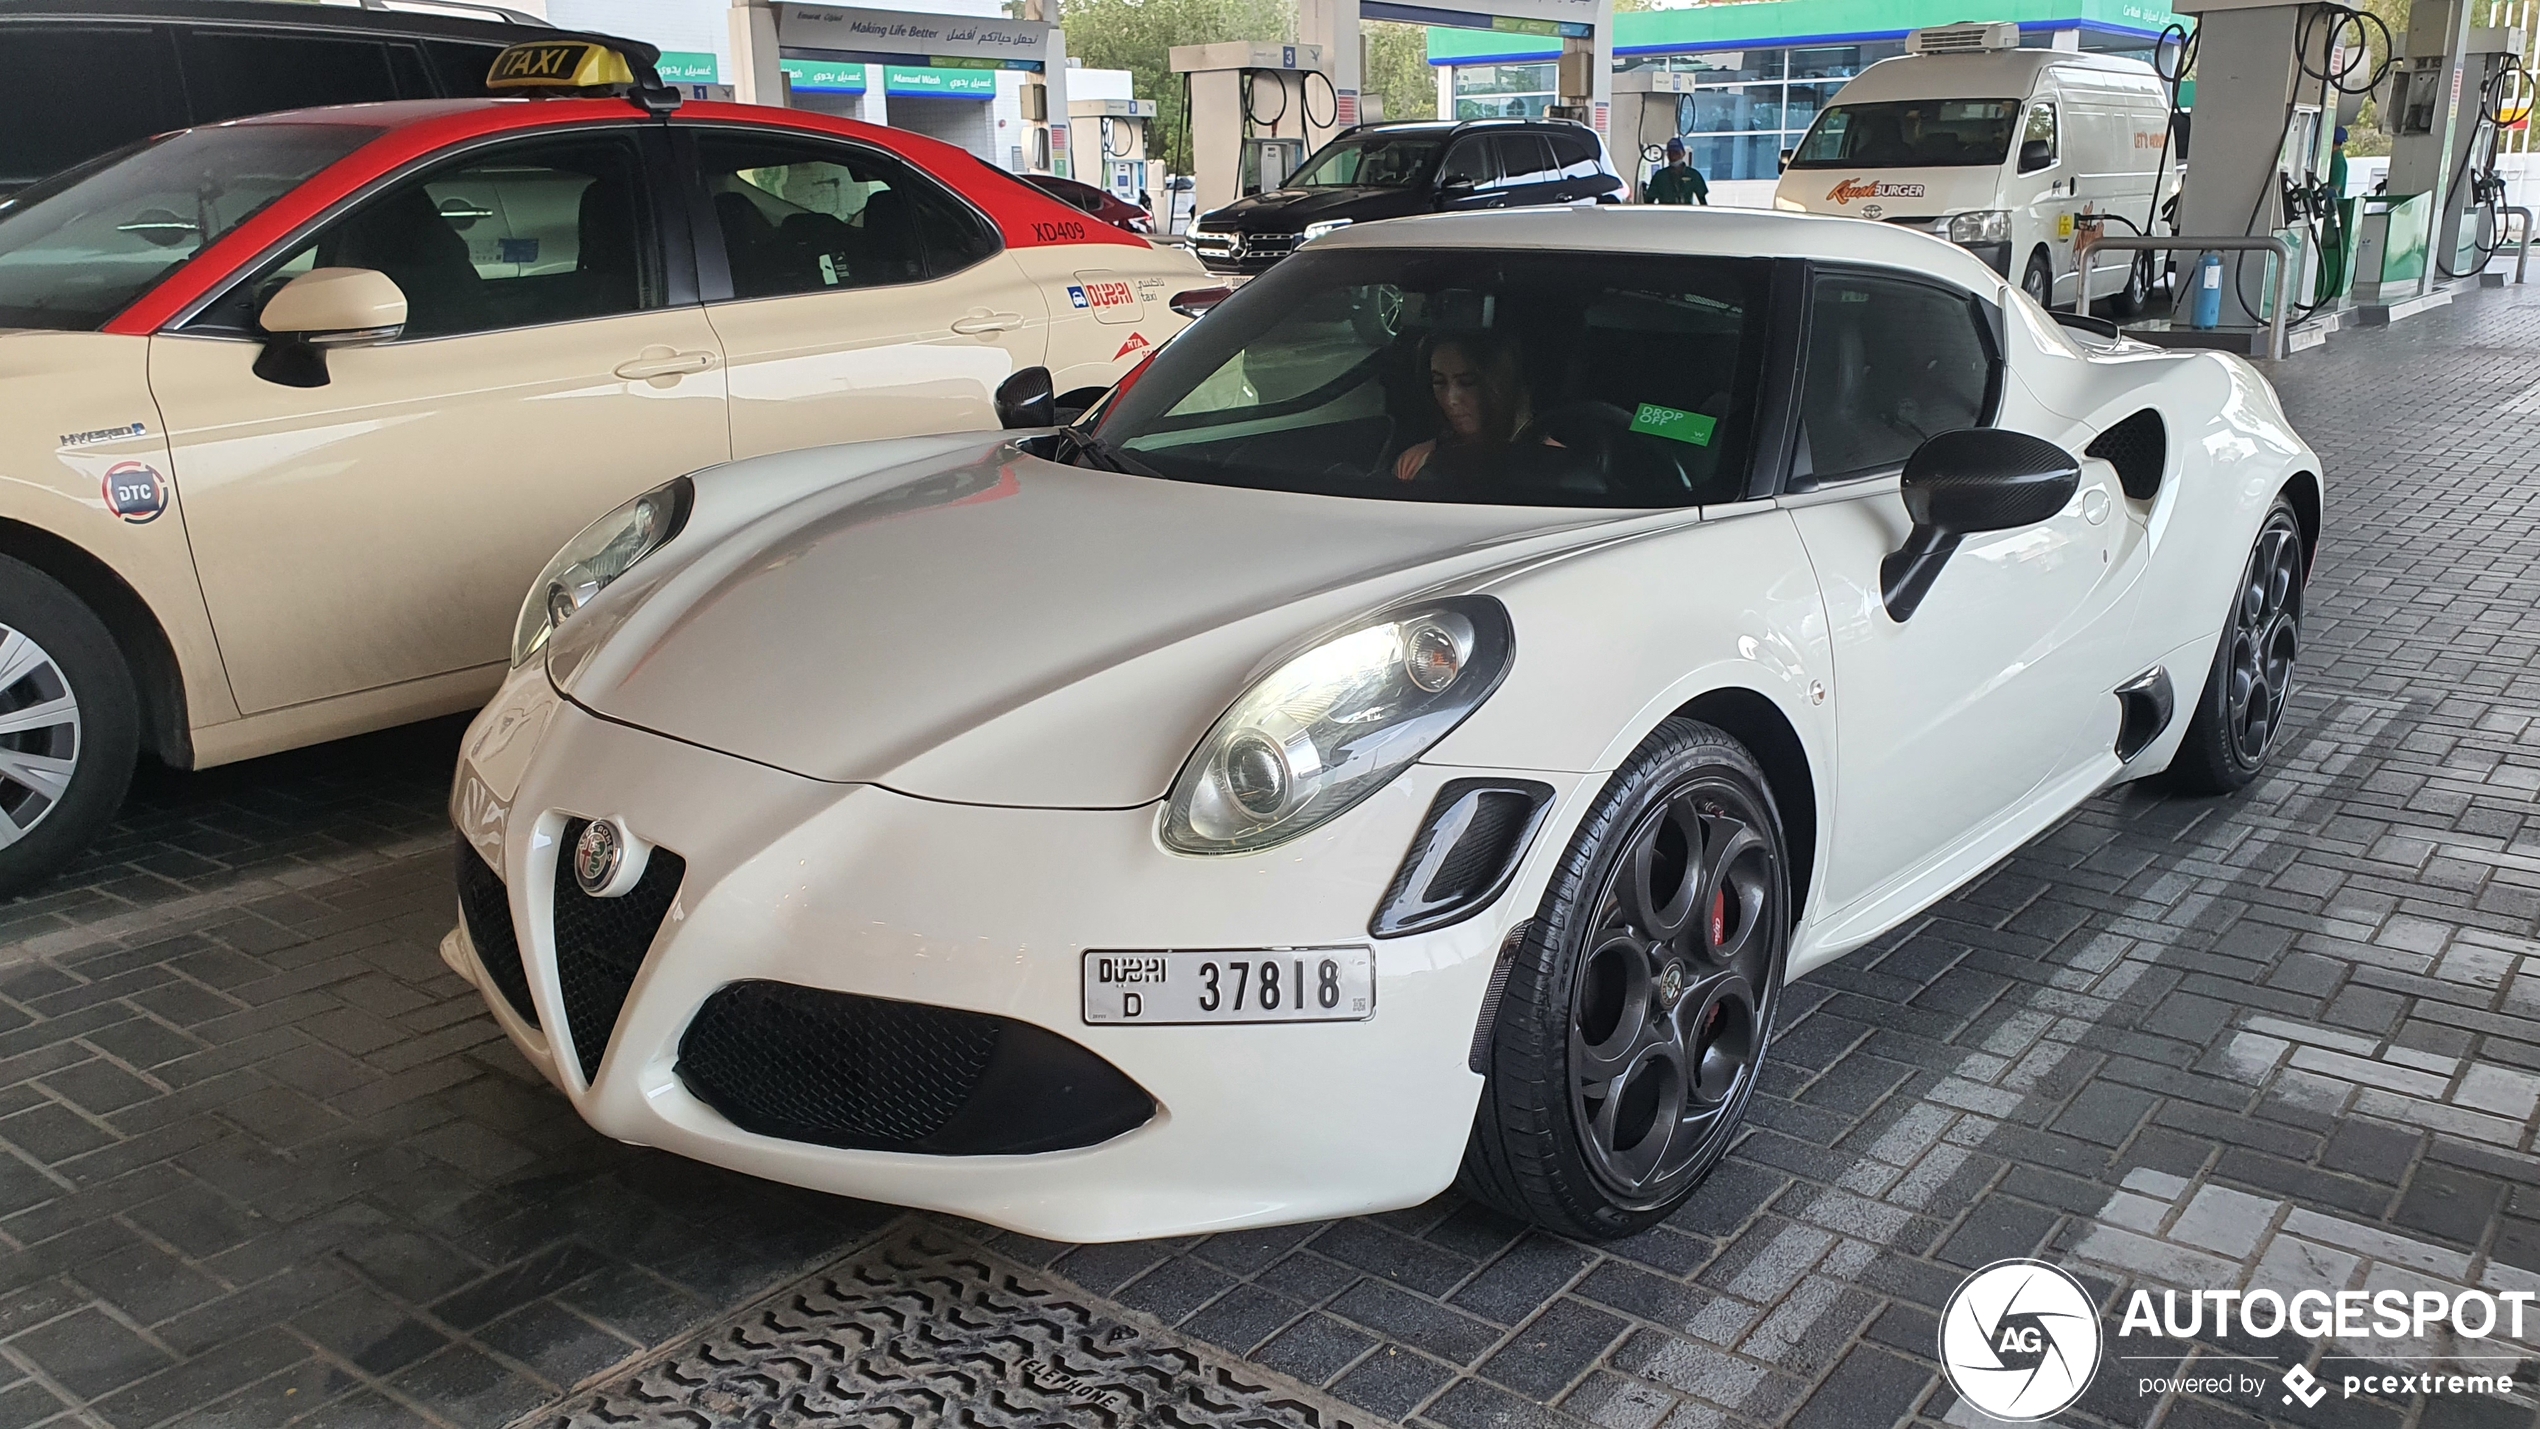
[(404, 236), (750, 247), (607, 265)]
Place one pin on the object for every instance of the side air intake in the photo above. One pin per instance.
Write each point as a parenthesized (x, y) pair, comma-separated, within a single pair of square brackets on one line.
[(2138, 448), (1463, 856)]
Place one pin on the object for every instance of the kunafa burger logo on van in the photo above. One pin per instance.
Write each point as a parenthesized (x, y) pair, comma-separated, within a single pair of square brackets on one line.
[(1850, 189)]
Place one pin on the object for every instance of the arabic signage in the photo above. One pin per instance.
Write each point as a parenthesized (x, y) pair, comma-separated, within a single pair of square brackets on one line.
[(826, 76), (839, 27), (947, 83)]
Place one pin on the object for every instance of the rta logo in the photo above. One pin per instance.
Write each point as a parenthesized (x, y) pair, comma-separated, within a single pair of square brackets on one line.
[(2020, 1340)]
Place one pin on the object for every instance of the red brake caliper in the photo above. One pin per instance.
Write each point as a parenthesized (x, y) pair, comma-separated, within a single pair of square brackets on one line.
[(1719, 917)]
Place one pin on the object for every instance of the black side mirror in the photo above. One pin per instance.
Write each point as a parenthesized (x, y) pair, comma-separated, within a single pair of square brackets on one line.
[(2035, 154), (1785, 163), (1027, 399), (1959, 483)]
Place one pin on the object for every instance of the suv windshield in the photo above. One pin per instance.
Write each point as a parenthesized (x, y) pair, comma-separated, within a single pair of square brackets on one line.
[(1373, 161), (1475, 377), (76, 250), (1909, 134)]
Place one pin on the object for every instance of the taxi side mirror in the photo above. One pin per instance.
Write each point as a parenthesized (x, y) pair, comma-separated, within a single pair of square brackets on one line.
[(323, 308)]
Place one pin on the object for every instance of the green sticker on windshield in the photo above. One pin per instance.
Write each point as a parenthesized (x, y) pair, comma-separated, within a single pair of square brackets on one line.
[(1656, 421)]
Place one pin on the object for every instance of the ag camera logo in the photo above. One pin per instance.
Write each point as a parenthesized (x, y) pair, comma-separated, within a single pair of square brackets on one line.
[(2020, 1340)]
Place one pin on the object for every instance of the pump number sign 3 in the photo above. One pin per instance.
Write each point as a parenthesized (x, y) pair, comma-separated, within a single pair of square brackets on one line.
[(1174, 988)]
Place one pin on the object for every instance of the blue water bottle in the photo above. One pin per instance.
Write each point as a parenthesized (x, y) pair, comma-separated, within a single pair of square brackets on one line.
[(2207, 310)]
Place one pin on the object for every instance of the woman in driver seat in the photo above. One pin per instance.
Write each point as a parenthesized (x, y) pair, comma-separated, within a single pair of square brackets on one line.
[(1481, 395)]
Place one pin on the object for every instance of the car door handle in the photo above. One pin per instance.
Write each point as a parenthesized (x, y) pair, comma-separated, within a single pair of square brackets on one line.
[(980, 322), (673, 364)]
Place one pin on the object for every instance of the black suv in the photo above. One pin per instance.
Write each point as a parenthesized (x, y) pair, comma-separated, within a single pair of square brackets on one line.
[(1393, 170), (90, 76)]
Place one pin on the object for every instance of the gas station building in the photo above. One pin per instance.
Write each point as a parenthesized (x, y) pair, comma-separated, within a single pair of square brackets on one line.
[(1758, 72)]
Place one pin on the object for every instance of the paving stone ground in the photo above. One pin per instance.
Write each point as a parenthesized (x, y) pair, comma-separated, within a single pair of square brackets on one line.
[(264, 1161)]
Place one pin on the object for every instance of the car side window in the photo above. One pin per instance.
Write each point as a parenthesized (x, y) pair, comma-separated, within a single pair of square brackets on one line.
[(77, 91), (2037, 137), (1469, 162), (1524, 160), (805, 216), (1577, 156), (518, 235), (232, 73), (1892, 362)]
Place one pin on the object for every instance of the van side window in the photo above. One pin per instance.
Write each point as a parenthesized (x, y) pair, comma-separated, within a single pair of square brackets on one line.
[(1892, 363), (2037, 137), (1577, 156), (234, 73)]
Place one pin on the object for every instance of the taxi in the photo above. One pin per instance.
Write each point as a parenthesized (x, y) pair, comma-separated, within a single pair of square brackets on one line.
[(292, 408)]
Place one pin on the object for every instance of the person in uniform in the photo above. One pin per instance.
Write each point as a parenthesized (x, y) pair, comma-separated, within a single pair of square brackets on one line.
[(1678, 181)]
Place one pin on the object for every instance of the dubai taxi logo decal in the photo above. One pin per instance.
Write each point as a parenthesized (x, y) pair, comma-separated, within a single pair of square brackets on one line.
[(1848, 190), (1137, 341), (135, 492)]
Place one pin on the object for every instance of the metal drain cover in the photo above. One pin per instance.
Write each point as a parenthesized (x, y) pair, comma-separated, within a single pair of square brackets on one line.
[(923, 1329)]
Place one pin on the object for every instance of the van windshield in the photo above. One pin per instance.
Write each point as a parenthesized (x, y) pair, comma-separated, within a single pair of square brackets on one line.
[(1910, 134), (77, 249)]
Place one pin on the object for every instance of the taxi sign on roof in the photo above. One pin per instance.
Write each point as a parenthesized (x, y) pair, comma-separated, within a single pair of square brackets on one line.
[(560, 64)]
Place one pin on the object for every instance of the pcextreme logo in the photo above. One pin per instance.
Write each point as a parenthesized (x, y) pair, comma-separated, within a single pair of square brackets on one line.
[(2020, 1340)]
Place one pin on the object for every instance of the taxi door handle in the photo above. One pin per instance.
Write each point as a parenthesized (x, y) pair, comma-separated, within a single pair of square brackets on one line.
[(676, 364), (979, 322)]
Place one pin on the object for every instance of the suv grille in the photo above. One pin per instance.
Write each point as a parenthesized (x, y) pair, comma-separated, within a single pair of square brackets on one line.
[(486, 908), (835, 1069), (601, 943)]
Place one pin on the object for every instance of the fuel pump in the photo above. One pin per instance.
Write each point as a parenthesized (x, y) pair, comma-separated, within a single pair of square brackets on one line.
[(1250, 110), (2456, 132)]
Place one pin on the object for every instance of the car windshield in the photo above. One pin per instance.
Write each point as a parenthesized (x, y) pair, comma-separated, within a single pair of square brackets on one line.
[(1474, 377), (1371, 161), (76, 250), (1910, 134)]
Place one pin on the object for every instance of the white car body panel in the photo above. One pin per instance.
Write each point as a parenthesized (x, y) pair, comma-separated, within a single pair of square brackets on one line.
[(915, 749)]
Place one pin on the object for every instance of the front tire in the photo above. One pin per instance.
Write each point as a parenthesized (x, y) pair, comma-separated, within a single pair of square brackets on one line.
[(70, 726), (2137, 293), (2241, 710), (2039, 281), (1639, 1007)]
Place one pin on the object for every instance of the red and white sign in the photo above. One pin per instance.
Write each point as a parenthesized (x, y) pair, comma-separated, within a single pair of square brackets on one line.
[(1137, 343), (1345, 107), (1109, 293)]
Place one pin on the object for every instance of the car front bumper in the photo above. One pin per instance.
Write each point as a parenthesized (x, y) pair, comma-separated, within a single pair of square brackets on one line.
[(858, 889)]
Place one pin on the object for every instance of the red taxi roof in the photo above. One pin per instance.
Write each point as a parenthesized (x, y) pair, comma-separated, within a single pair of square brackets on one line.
[(416, 129)]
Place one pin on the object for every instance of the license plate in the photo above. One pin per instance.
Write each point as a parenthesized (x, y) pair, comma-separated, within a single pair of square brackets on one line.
[(1171, 988)]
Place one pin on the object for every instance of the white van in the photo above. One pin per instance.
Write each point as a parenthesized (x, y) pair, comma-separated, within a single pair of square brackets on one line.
[(2004, 151)]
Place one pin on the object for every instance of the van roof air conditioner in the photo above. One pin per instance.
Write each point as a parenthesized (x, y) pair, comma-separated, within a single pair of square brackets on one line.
[(1963, 39)]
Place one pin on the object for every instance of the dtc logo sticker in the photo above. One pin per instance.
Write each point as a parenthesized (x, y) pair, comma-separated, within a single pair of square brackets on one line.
[(2020, 1340), (135, 492)]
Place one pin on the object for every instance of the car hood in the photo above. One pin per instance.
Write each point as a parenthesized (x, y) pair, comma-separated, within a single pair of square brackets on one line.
[(1290, 210), (1892, 193), (983, 626)]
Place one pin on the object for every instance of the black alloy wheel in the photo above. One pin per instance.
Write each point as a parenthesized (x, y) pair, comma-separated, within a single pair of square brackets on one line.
[(1636, 1016), (2242, 709)]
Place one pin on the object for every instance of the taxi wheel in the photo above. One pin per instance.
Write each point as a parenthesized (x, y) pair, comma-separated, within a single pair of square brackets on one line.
[(70, 726), (1633, 1024)]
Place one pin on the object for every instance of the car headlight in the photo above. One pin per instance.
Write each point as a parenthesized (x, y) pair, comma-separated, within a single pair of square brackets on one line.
[(1314, 737), (1991, 225), (606, 549), (1317, 230)]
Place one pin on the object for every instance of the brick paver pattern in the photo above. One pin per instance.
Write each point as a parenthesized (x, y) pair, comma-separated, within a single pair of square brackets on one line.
[(264, 1160)]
